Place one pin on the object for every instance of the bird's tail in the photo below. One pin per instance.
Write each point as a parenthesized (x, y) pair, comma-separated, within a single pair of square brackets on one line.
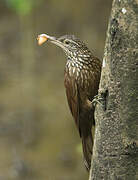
[(87, 146)]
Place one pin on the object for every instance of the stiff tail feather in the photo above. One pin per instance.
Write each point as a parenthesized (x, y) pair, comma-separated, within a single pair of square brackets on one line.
[(87, 146)]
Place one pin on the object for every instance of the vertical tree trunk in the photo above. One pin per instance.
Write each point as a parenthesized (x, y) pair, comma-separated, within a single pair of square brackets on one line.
[(115, 154)]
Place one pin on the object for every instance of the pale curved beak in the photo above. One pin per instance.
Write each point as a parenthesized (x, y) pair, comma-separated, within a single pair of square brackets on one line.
[(42, 38)]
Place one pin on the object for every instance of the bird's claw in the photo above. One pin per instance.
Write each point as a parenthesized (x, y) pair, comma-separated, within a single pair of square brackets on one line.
[(96, 100)]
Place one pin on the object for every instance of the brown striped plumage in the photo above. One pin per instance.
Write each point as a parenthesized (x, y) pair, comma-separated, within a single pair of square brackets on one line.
[(81, 79)]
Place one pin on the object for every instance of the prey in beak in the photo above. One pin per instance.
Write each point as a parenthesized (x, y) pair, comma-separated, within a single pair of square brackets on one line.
[(44, 37)]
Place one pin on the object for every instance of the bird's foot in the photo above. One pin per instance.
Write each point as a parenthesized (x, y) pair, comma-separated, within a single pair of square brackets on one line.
[(99, 98), (96, 100)]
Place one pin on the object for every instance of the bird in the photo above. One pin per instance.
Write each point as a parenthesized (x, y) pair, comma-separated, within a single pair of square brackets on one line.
[(81, 80)]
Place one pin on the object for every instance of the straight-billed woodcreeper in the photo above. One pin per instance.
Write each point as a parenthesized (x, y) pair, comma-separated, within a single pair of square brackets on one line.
[(81, 80)]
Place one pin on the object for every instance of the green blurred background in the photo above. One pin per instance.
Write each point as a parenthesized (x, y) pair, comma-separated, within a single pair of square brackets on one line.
[(38, 138)]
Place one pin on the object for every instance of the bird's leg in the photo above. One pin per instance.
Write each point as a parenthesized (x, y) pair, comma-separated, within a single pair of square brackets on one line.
[(98, 99)]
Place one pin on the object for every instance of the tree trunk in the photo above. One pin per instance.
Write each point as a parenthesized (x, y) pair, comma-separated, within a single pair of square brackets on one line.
[(115, 155)]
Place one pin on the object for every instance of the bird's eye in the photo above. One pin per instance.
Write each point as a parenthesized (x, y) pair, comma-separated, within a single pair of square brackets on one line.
[(66, 41)]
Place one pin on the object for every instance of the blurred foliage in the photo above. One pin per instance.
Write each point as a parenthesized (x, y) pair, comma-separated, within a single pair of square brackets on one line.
[(22, 7), (38, 138)]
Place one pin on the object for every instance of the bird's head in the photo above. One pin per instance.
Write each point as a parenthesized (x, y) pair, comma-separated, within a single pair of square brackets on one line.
[(71, 45)]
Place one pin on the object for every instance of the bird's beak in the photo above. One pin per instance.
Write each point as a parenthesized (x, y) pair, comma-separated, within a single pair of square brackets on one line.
[(44, 37)]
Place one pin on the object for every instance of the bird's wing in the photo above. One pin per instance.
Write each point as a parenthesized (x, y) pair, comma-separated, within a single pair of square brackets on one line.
[(73, 98)]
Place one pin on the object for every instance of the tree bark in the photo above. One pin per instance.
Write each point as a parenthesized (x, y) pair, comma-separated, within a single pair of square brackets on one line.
[(115, 154)]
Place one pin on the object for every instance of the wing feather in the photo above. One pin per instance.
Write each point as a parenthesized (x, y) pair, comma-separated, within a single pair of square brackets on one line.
[(73, 98)]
